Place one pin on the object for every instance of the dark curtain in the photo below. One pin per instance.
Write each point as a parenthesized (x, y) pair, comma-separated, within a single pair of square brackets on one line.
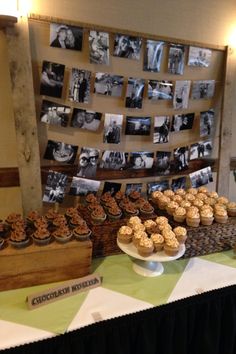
[(200, 324)]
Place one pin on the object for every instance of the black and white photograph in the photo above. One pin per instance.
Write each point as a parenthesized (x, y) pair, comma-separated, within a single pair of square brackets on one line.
[(206, 122), (81, 186), (85, 119), (66, 37), (79, 85), (55, 187), (54, 113), (181, 157), (111, 187), (134, 93), (161, 129), (88, 161), (162, 164), (176, 59), (160, 90), (200, 57), (203, 89), (108, 85), (114, 160), (153, 56), (141, 159), (138, 125), (157, 186), (127, 46), (60, 152), (200, 149), (112, 128), (201, 177), (130, 187), (99, 47), (52, 76), (181, 94), (182, 122), (178, 183)]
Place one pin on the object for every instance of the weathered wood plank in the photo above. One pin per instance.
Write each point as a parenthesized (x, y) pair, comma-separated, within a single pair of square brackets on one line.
[(24, 115)]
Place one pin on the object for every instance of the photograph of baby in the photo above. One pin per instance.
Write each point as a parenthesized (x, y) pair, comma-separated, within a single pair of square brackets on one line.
[(134, 93), (133, 187), (127, 46), (99, 47), (201, 177), (141, 159), (181, 94), (161, 129), (178, 183), (81, 186), (83, 119), (203, 89), (157, 186), (138, 125), (153, 55), (114, 160), (160, 90), (79, 85), (65, 36), (199, 57), (111, 187), (181, 157), (112, 128), (109, 85), (55, 187), (162, 164), (52, 76), (206, 122), (88, 160), (182, 122), (54, 113), (60, 152), (176, 59), (200, 149)]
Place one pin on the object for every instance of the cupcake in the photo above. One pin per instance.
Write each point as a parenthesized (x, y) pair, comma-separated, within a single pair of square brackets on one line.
[(201, 196), (114, 212), (231, 208), (41, 222), (155, 196), (179, 214), (210, 201), (177, 198), (11, 218), (145, 247), (138, 227), (213, 195), (106, 197), (203, 189), (223, 200), (119, 195), (146, 209), (62, 234), (168, 234), (163, 202), (193, 218), (185, 204), (137, 236), (171, 207), (70, 212), (91, 198), (221, 215), (93, 206), (75, 221), (171, 247), (134, 220), (130, 210), (189, 197), (158, 242), (125, 234), (180, 233), (41, 236), (98, 216), (207, 207), (164, 227), (134, 195), (140, 202), (59, 221), (32, 216), (161, 220), (198, 203), (180, 191), (151, 227), (51, 215), (82, 232), (169, 193), (192, 191), (206, 216), (18, 238)]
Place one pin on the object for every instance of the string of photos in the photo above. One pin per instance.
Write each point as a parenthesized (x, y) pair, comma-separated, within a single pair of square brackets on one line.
[(176, 93)]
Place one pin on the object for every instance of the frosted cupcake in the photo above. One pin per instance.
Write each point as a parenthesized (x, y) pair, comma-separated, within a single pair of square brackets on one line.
[(192, 191), (180, 191), (133, 220), (206, 217), (161, 220), (193, 218), (171, 247), (221, 215), (138, 227), (62, 234), (185, 204), (198, 203), (137, 236), (180, 233), (163, 202), (146, 209), (145, 247), (189, 197), (158, 242), (82, 232), (210, 201), (125, 234), (151, 227), (171, 207), (223, 200), (169, 193), (203, 189), (231, 209), (177, 198), (179, 214), (213, 195), (201, 196)]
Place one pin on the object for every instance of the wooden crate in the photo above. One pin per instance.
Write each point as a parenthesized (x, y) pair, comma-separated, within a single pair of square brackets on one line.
[(34, 265)]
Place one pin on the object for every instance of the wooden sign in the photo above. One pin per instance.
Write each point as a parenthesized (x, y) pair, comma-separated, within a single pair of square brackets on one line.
[(68, 288)]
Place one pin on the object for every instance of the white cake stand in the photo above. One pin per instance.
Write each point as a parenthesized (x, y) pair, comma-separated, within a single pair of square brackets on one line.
[(148, 266)]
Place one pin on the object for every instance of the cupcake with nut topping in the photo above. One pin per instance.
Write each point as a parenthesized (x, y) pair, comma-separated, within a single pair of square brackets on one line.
[(179, 214), (193, 218), (231, 208), (221, 215), (158, 242), (206, 217), (180, 233), (125, 234), (145, 247), (171, 247)]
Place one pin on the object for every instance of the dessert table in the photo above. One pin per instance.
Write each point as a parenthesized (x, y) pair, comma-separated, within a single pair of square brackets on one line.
[(190, 308)]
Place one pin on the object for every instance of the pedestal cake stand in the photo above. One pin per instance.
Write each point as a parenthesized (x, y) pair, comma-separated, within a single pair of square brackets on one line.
[(148, 266)]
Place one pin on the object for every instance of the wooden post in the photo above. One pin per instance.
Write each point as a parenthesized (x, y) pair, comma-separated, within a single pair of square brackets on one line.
[(225, 138), (25, 115)]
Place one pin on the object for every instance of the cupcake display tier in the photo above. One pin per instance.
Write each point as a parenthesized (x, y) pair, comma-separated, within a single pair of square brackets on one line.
[(148, 266)]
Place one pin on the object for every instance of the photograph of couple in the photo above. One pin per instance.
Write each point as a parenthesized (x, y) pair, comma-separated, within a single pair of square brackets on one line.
[(67, 37)]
